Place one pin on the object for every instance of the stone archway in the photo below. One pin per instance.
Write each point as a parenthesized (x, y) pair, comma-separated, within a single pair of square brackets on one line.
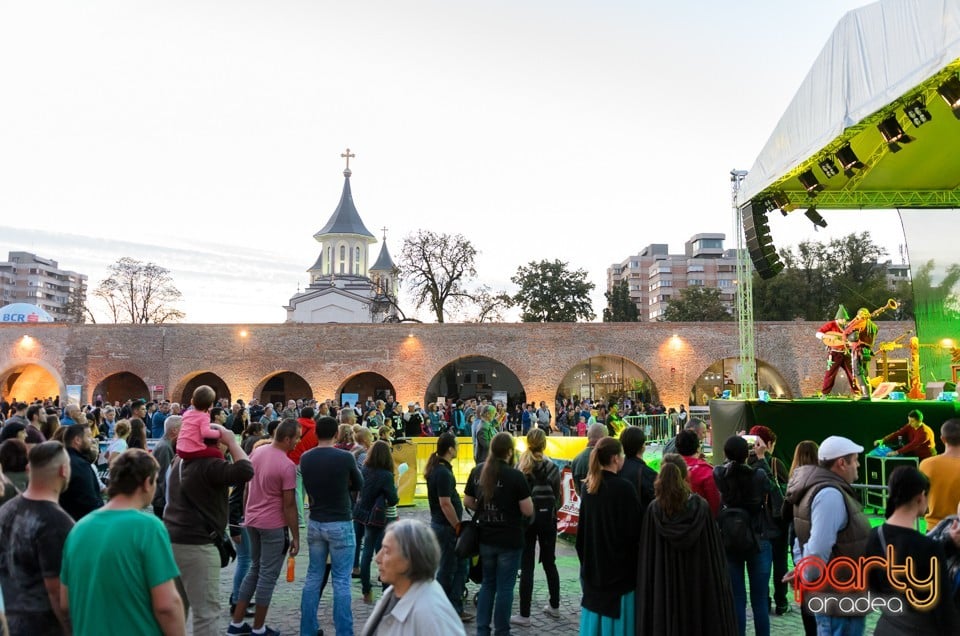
[(476, 377), (282, 386), (365, 384), (607, 376), (724, 374), (208, 378), (29, 380), (120, 387)]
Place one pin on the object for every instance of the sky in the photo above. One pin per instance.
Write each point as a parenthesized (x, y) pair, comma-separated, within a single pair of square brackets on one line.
[(206, 136)]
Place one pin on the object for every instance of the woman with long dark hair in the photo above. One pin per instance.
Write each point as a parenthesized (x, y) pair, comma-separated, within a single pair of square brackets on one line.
[(607, 543), (138, 434), (683, 588), (543, 477), (907, 502), (744, 488), (379, 491), (501, 497)]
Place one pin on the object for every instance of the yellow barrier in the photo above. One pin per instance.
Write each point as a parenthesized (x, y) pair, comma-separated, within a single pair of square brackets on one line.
[(413, 484)]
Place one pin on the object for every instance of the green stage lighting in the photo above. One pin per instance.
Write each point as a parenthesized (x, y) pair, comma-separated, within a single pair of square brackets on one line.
[(810, 183), (848, 160), (828, 167), (893, 133), (815, 218), (950, 92), (917, 113)]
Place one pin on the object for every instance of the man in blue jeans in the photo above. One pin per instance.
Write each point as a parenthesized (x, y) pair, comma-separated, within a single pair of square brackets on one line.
[(446, 511), (330, 475)]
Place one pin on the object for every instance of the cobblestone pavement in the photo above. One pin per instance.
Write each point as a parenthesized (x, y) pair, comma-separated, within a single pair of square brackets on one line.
[(284, 613)]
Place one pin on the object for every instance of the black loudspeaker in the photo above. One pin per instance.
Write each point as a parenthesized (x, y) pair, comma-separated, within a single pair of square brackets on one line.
[(756, 231), (934, 389)]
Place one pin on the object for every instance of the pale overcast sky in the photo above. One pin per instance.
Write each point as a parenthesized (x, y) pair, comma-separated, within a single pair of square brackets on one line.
[(206, 136)]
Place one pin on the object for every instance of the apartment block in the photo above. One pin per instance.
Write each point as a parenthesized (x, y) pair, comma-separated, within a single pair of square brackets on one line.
[(28, 278)]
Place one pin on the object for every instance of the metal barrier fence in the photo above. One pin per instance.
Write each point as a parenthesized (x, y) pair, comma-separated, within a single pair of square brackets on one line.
[(656, 427)]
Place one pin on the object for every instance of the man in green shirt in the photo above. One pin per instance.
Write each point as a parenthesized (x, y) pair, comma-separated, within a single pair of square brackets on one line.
[(112, 549)]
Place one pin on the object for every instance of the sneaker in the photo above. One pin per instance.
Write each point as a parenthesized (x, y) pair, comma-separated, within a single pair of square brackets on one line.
[(466, 617), (243, 629), (782, 609), (521, 621), (551, 611), (267, 631)]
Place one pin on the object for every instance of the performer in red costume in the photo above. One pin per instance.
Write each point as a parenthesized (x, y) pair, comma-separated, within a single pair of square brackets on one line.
[(839, 354)]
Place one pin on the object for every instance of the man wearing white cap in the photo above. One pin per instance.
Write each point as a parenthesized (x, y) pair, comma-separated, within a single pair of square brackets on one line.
[(828, 518)]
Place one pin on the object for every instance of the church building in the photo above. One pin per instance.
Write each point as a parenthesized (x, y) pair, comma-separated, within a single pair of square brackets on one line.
[(344, 287)]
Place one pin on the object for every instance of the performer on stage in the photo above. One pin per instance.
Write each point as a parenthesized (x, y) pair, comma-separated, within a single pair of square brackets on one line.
[(862, 331), (839, 356), (915, 438)]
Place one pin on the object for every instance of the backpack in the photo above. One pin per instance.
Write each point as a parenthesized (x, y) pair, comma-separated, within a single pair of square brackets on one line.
[(541, 488), (736, 530)]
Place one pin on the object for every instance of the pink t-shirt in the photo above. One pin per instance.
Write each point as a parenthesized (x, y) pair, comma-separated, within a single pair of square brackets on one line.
[(193, 430), (273, 472)]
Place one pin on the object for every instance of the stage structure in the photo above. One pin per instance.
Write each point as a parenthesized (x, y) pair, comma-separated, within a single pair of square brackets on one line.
[(876, 125)]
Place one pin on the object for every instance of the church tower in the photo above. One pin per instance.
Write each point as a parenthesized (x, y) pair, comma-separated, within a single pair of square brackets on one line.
[(341, 289), (383, 273), (344, 240)]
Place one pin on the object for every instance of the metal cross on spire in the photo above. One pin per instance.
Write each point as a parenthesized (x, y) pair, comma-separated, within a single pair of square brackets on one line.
[(347, 155), (384, 229)]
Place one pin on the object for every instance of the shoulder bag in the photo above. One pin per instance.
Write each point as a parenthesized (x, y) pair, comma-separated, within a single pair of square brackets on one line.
[(468, 543)]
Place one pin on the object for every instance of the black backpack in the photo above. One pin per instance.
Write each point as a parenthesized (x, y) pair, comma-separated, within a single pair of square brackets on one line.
[(541, 489), (737, 525), (736, 530)]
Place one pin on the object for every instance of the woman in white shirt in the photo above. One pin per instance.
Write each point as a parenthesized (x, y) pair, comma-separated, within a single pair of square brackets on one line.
[(414, 604)]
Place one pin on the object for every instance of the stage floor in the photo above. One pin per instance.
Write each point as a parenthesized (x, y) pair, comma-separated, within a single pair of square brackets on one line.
[(816, 419)]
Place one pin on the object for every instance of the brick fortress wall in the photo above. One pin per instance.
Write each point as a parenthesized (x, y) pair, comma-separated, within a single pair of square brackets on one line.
[(408, 355)]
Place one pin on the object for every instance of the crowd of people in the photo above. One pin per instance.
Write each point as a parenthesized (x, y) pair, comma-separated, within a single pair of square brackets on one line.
[(683, 550)]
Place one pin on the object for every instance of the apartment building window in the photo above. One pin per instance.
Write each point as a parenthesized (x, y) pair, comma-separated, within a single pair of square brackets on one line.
[(695, 282), (724, 283), (694, 268)]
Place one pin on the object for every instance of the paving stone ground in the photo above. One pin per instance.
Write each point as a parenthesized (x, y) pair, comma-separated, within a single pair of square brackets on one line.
[(284, 612)]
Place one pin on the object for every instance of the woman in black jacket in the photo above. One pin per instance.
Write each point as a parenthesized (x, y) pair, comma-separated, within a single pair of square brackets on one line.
[(379, 491), (543, 477), (607, 544), (743, 488)]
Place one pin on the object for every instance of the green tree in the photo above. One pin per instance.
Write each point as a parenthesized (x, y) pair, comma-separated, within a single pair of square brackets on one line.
[(620, 308), (696, 304), (817, 277), (549, 292), (139, 293)]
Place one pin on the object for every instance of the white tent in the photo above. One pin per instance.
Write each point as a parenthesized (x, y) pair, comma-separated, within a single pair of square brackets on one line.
[(879, 58)]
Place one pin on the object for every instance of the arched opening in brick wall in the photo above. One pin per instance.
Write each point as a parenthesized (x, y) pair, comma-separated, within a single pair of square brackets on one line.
[(476, 377), (120, 387), (190, 384), (607, 377), (359, 387), (283, 386), (724, 374), (30, 381)]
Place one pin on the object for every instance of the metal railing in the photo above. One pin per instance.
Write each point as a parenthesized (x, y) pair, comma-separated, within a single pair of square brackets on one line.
[(656, 427)]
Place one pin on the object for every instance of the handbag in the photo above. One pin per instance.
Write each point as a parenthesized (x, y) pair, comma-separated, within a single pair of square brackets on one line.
[(218, 537), (376, 516), (468, 543)]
